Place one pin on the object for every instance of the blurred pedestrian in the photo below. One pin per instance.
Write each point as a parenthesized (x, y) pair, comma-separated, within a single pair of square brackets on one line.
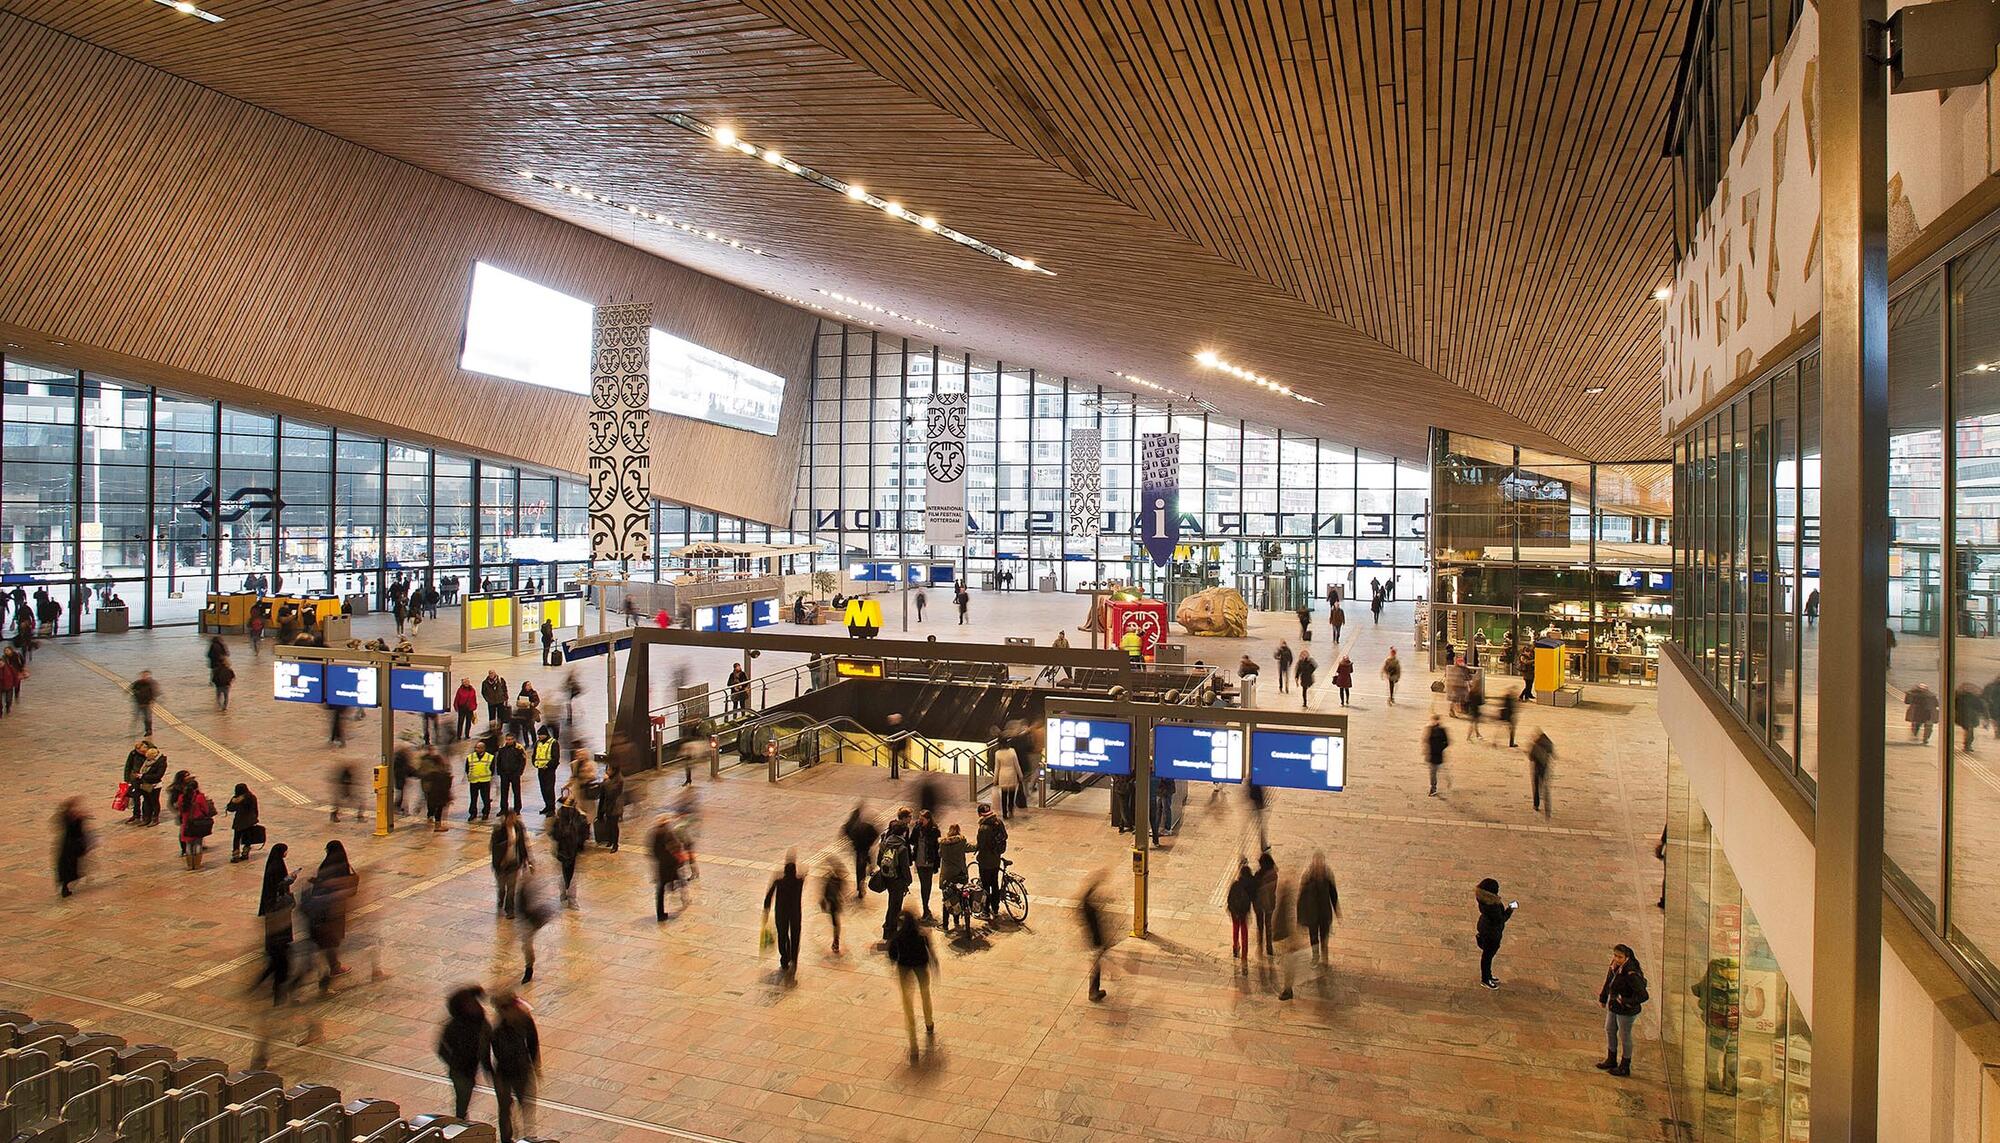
[(569, 833), (1435, 742), (783, 905), (893, 865), (860, 834), (145, 692), (1094, 935), (1265, 904), (666, 849), (244, 830), (325, 905), (507, 851), (910, 952), (1319, 904), (1541, 765), (222, 676), (465, 1044), (1509, 714), (533, 915), (72, 842), (833, 896), (274, 908), (1242, 897), (1392, 668), (434, 779), (517, 1063)]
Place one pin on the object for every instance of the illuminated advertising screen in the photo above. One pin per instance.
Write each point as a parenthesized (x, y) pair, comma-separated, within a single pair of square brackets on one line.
[(418, 691), (1096, 745), (1198, 753), (763, 612), (351, 686), (296, 681), (705, 619), (1299, 759)]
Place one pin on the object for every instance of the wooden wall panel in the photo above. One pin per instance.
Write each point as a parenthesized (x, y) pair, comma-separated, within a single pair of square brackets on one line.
[(190, 239)]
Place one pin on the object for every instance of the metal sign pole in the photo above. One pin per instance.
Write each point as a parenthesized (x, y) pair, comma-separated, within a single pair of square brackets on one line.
[(1142, 815), (385, 817)]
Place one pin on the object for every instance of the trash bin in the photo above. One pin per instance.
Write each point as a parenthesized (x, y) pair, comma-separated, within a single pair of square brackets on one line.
[(336, 630), (113, 620)]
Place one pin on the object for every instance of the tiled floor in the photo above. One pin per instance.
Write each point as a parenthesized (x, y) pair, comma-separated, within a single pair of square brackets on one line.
[(682, 1030)]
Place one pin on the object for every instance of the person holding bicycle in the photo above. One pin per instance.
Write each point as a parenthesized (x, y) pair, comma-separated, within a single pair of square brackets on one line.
[(990, 845)]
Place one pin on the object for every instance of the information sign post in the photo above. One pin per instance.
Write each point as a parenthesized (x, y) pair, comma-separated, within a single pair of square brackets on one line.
[(389, 681)]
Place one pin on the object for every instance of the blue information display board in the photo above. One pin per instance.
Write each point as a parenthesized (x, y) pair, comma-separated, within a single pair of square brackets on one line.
[(1100, 746), (734, 616), (1299, 759), (297, 681), (348, 685), (763, 612), (705, 619), (416, 690), (1197, 753)]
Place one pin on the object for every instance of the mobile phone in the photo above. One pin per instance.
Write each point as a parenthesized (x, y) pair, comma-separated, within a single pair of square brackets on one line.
[(1513, 904)]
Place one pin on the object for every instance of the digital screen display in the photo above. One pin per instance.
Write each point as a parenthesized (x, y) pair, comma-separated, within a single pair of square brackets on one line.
[(296, 681), (734, 616), (1198, 753), (1299, 759), (1100, 746), (763, 612), (416, 690), (351, 686), (524, 331), (705, 620)]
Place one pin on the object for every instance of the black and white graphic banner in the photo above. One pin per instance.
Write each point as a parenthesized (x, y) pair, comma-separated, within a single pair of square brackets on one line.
[(621, 485), (944, 469), (1086, 482)]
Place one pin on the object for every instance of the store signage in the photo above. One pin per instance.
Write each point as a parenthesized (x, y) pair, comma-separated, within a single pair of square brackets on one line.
[(863, 617), (620, 433), (1299, 759), (1160, 494), (944, 469), (1197, 753), (1096, 745)]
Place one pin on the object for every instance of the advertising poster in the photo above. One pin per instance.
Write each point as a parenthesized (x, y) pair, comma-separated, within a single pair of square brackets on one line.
[(1086, 482), (944, 470)]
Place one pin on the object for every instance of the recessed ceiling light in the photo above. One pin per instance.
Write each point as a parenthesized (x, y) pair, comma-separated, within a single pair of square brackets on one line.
[(1156, 387), (1209, 359), (726, 137), (1663, 293), (1592, 390), (187, 9), (688, 228), (871, 307)]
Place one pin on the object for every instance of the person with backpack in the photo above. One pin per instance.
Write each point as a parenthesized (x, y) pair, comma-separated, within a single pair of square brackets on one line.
[(1623, 995), (569, 833), (1242, 896), (989, 847), (893, 865), (910, 952)]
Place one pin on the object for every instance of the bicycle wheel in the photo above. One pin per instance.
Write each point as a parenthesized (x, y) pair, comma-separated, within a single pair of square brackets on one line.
[(1014, 899)]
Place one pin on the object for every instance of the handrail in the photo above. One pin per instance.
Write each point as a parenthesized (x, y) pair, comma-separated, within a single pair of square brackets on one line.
[(665, 714)]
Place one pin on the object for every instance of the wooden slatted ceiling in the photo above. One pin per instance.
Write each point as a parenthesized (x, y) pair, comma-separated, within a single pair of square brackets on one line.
[(177, 236), (1421, 214)]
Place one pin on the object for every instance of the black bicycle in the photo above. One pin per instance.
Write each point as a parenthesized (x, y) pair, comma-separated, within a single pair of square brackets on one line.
[(1013, 902)]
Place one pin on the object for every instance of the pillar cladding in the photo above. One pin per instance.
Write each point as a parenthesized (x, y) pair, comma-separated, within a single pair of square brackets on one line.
[(621, 485)]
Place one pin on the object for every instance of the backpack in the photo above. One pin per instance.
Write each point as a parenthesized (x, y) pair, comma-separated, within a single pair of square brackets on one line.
[(888, 859)]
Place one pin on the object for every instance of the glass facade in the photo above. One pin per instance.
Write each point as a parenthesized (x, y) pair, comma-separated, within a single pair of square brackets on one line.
[(1738, 1051), (1528, 545), (1746, 584), (1329, 513), (106, 485)]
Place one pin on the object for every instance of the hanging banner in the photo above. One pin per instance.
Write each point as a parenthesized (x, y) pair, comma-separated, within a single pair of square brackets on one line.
[(1160, 494), (1086, 482), (620, 463), (944, 469)]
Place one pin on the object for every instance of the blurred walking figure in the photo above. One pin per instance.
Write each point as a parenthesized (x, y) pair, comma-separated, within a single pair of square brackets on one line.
[(833, 896), (892, 870), (1265, 904), (924, 839), (1434, 746), (1256, 804), (145, 692), (517, 1063), (783, 902), (222, 676), (910, 952), (533, 914), (1541, 759), (1285, 937), (325, 906), (1475, 706), (1092, 917), (1509, 713), (274, 908), (1241, 899), (508, 851), (434, 779), (465, 1044), (1392, 667), (72, 842), (569, 833), (666, 848), (1319, 904), (860, 834)]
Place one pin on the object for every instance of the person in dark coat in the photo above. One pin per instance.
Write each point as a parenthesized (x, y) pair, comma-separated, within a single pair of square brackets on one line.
[(1493, 916), (1264, 905), (1343, 678), (242, 809), (784, 901), (465, 1044), (1241, 899), (860, 834), (274, 908), (893, 870), (1094, 931), (833, 896), (1434, 747), (1509, 714), (924, 839), (1623, 995), (1319, 904), (989, 846), (953, 873), (1121, 803), (611, 808), (516, 1062), (509, 764), (1968, 710), (72, 842), (665, 844), (434, 779), (569, 833), (910, 952)]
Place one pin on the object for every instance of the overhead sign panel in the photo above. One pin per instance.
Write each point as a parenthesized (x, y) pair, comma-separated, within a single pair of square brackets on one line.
[(1198, 753), (1299, 759), (418, 691), (348, 685), (1095, 745), (294, 681)]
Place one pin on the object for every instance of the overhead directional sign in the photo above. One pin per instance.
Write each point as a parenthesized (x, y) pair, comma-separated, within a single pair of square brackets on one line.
[(418, 691), (1300, 759), (1197, 753), (350, 685), (1097, 745), (294, 681)]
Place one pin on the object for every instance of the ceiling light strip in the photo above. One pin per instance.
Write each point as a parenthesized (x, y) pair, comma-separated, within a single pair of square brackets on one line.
[(728, 140), (871, 307), (187, 9), (1135, 379), (688, 228), (1209, 359)]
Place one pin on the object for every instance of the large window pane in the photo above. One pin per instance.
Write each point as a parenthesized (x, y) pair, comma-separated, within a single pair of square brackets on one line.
[(1975, 389)]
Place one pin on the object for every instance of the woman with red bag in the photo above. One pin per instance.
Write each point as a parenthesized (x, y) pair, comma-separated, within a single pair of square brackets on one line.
[(197, 816)]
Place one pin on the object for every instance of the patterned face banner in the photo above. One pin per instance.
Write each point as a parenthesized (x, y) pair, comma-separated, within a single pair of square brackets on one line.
[(1160, 494), (1086, 482), (944, 469), (621, 484)]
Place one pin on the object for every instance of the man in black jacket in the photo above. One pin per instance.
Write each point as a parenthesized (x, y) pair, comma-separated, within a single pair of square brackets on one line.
[(893, 864), (784, 901), (465, 1044), (517, 1060), (510, 763), (990, 845)]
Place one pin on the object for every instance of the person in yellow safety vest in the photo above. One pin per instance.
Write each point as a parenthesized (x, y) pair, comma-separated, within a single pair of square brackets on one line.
[(479, 780), (1133, 646), (545, 770)]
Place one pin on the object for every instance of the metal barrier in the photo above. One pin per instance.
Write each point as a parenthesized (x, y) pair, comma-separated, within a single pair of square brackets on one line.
[(246, 1122), (394, 1131), (446, 1129), (166, 1119), (96, 1111)]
